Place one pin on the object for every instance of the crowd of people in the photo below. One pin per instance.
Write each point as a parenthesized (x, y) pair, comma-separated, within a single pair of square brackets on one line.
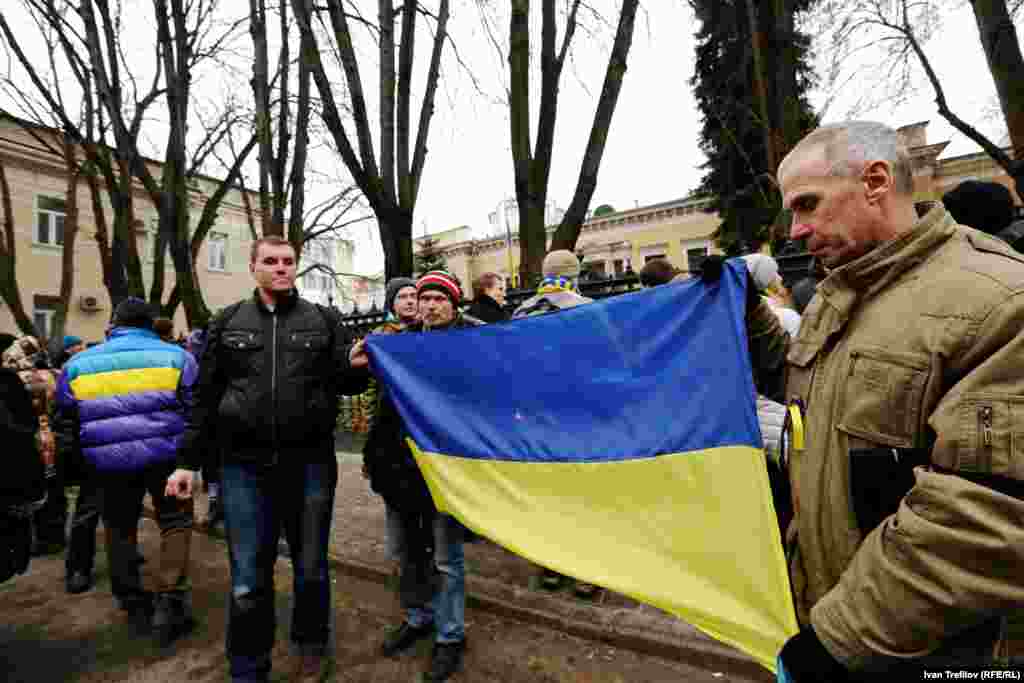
[(889, 396)]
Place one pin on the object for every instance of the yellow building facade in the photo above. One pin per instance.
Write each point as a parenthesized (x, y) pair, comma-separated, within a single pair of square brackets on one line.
[(37, 179), (678, 230)]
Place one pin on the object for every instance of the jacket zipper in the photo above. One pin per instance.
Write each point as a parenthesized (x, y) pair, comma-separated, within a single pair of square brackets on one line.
[(985, 418), (273, 390)]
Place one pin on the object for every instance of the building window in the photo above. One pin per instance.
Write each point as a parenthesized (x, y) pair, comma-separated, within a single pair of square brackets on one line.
[(217, 251), (695, 257), (320, 253), (42, 317), (50, 215)]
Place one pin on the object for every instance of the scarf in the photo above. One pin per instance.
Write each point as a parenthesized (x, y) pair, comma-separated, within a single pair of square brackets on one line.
[(556, 283)]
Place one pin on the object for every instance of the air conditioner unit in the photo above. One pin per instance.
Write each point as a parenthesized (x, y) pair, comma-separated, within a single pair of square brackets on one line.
[(89, 303)]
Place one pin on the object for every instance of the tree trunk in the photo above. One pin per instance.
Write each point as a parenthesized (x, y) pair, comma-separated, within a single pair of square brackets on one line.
[(67, 270), (569, 229), (396, 234), (8, 262), (1002, 50)]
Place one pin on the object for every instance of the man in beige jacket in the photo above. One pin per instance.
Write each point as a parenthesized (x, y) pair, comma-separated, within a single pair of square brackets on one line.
[(907, 544)]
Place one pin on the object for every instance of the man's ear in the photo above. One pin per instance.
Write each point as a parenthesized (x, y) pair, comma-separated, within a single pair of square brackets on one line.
[(878, 180)]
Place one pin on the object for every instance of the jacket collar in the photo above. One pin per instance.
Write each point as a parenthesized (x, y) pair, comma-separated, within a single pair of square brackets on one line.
[(131, 332), (839, 293), (488, 302), (879, 268), (284, 304)]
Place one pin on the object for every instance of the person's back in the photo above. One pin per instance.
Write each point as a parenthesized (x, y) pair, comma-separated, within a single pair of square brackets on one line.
[(113, 384), (557, 291), (22, 490), (122, 403)]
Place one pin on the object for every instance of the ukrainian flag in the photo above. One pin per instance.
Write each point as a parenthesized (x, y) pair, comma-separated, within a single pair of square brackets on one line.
[(616, 442)]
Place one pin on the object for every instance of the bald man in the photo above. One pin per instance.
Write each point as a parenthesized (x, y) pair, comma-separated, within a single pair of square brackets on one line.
[(906, 546)]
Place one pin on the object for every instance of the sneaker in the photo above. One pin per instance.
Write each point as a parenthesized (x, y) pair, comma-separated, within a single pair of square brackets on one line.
[(551, 580), (78, 582), (445, 660), (172, 619), (403, 638)]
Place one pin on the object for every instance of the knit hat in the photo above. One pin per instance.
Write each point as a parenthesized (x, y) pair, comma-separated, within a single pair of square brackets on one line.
[(71, 340), (763, 269), (134, 312), (980, 205), (561, 263), (443, 282), (395, 285)]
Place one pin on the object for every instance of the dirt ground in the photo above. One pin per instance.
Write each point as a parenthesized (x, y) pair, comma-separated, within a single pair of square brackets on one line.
[(47, 635)]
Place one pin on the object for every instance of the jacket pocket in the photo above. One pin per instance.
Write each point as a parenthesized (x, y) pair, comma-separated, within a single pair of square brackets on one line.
[(882, 396)]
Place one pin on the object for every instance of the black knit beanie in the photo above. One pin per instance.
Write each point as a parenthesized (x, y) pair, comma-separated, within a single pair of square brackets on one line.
[(134, 312), (394, 286)]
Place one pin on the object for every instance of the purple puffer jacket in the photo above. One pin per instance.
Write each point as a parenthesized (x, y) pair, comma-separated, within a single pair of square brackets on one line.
[(126, 398)]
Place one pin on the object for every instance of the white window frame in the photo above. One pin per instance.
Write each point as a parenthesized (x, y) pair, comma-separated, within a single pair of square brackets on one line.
[(222, 239), (47, 314), (687, 245), (52, 216)]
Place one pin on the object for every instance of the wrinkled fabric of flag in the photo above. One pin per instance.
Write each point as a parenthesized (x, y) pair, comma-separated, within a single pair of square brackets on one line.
[(615, 442)]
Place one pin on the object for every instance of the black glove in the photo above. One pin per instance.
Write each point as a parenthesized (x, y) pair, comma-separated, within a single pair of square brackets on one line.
[(711, 268), (807, 661), (711, 271)]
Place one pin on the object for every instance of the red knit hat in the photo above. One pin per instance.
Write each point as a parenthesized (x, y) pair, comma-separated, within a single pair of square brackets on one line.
[(442, 282)]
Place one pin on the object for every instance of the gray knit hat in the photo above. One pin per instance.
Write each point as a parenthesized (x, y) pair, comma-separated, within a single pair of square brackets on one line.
[(394, 286)]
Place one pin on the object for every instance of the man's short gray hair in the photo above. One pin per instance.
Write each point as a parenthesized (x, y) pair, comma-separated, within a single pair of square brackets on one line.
[(849, 145)]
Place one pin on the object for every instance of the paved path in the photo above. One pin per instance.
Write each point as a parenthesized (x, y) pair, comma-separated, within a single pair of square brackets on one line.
[(506, 584), (47, 636)]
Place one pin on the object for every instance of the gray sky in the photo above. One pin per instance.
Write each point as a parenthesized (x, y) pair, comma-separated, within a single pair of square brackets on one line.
[(652, 152)]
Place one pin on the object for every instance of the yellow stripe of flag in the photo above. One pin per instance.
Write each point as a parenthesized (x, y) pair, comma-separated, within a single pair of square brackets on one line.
[(694, 533)]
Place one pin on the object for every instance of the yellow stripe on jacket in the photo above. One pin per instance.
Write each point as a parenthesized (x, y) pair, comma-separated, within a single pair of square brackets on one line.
[(120, 382)]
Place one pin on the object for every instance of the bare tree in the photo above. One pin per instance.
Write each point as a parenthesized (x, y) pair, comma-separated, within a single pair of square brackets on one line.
[(899, 30), (8, 259), (279, 189), (90, 33), (532, 166), (390, 187)]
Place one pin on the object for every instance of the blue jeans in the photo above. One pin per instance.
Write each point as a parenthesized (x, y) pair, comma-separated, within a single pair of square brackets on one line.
[(448, 608), (259, 502)]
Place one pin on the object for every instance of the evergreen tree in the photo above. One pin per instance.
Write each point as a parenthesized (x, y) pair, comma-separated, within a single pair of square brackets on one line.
[(733, 133), (429, 257)]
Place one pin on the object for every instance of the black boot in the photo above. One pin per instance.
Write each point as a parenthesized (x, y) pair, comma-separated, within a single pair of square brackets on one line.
[(78, 582), (445, 660), (403, 638), (172, 618)]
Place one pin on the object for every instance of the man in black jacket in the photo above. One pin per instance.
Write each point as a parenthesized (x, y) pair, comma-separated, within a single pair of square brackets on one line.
[(489, 299), (429, 545), (269, 381)]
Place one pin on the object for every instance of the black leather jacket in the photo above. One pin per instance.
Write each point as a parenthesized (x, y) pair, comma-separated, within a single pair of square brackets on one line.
[(269, 383)]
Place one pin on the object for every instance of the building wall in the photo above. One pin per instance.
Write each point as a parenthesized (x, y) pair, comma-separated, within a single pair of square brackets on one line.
[(667, 229), (34, 172)]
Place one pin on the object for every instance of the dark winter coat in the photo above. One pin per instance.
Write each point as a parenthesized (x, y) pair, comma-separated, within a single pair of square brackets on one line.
[(269, 382), (390, 465), (487, 309)]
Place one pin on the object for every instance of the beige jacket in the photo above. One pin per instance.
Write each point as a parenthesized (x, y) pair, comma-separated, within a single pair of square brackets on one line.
[(917, 345)]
